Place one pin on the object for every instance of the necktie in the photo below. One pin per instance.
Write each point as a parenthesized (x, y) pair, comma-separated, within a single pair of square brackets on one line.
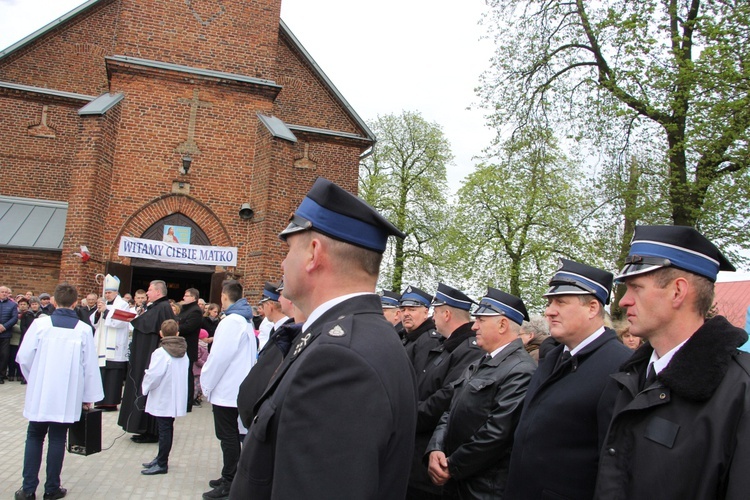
[(564, 357), (650, 376)]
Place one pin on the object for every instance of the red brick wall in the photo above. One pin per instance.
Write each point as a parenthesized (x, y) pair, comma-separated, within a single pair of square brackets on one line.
[(24, 270), (36, 167), (117, 171), (69, 57)]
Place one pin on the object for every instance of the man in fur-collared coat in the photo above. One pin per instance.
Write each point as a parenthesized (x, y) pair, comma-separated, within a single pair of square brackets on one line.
[(681, 424)]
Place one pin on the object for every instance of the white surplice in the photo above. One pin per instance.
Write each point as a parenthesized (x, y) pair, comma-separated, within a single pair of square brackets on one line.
[(165, 383), (61, 368)]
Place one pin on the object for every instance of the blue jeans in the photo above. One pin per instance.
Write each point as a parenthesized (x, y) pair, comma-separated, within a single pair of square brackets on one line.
[(32, 459), (166, 430)]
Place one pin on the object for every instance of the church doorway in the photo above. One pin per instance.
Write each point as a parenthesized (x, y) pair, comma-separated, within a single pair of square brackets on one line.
[(177, 281)]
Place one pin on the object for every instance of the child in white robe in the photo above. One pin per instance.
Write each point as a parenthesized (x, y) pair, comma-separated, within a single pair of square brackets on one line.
[(165, 384)]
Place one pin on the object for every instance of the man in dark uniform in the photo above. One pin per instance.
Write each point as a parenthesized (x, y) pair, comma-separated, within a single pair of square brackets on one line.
[(445, 364), (133, 417), (269, 358), (681, 424), (420, 336), (389, 301), (470, 449), (338, 419), (569, 402)]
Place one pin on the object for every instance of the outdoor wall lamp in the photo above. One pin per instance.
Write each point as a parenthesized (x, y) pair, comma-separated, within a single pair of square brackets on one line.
[(186, 162)]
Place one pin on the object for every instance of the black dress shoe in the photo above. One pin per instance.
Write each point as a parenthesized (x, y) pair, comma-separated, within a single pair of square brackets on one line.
[(22, 495), (23, 381), (215, 482), (2, 381), (145, 438), (148, 465), (54, 495), (152, 471), (220, 492)]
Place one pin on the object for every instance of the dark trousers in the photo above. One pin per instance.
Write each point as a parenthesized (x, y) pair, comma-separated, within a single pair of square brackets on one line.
[(190, 388), (4, 356), (225, 426), (166, 431), (417, 494), (14, 369), (32, 459)]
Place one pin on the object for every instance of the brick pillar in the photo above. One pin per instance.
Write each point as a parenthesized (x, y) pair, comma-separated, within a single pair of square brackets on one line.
[(91, 178)]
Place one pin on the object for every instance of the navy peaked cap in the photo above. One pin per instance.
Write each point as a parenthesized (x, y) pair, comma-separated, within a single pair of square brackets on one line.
[(449, 296), (683, 247), (413, 297), (574, 278), (335, 212), (498, 303), (389, 299), (270, 292)]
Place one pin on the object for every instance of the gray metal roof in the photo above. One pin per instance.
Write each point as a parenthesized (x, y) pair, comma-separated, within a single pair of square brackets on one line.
[(277, 127), (195, 71), (32, 224), (52, 92), (323, 131), (101, 104)]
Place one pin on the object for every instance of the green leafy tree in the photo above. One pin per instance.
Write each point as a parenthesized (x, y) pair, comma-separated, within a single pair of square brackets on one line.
[(678, 73), (405, 179), (517, 214)]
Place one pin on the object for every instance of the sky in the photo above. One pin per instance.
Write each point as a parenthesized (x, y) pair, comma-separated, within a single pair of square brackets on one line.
[(384, 57)]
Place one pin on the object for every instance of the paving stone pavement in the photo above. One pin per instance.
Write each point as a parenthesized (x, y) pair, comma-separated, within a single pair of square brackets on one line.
[(115, 473)]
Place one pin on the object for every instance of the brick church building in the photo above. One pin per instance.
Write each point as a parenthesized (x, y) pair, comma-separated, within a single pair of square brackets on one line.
[(202, 120)]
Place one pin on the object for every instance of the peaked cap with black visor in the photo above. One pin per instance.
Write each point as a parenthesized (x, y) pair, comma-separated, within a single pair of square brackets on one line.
[(574, 278), (683, 247), (498, 303), (331, 210), (449, 296)]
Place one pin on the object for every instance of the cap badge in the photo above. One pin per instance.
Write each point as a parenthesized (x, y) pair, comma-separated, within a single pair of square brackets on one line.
[(408, 289), (336, 331)]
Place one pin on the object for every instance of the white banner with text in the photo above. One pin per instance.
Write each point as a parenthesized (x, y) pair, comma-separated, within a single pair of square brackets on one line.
[(176, 252)]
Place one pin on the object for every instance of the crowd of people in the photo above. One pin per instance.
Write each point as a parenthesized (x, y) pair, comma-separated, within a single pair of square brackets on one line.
[(325, 389)]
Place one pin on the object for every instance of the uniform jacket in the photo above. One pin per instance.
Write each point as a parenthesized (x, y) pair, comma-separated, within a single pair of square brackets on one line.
[(419, 342), (446, 363), (233, 355), (337, 421), (269, 360), (165, 381), (58, 359), (476, 434), (564, 421), (687, 435)]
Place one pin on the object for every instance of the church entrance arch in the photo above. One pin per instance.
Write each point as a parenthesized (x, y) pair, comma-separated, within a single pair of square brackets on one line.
[(176, 227)]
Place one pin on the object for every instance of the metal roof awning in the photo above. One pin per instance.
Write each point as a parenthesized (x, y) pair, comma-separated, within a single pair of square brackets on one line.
[(32, 224)]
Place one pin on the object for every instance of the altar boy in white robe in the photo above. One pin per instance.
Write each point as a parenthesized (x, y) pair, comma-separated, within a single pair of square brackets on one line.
[(58, 359), (165, 384), (111, 340)]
